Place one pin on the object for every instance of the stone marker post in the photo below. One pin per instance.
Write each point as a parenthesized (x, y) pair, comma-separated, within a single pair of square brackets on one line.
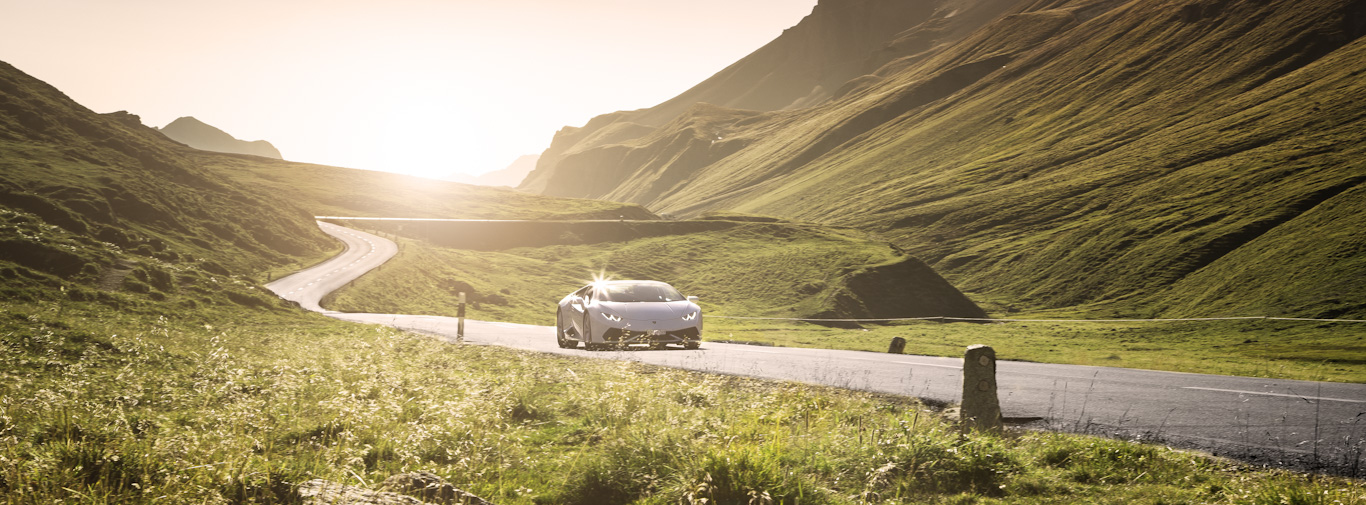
[(981, 408), (898, 346), (460, 323)]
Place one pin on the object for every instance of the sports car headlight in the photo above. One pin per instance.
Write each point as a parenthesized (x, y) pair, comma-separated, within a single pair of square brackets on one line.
[(612, 317), (690, 316)]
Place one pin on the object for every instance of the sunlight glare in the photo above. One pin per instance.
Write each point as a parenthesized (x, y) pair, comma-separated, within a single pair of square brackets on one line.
[(600, 280)]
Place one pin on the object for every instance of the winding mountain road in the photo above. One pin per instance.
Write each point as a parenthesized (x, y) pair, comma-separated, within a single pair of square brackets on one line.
[(364, 252), (1305, 425)]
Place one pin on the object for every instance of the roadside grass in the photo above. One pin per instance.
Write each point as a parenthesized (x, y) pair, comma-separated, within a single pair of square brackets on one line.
[(1255, 348), (102, 406)]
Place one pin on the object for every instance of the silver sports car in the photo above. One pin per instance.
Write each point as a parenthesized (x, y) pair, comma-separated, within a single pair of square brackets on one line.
[(618, 313)]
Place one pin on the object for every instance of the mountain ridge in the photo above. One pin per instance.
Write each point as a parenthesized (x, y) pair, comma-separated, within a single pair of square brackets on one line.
[(199, 135), (807, 64), (510, 176)]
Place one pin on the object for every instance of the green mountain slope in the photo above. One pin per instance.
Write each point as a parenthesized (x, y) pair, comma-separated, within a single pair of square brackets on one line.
[(107, 185), (809, 63), (1155, 157)]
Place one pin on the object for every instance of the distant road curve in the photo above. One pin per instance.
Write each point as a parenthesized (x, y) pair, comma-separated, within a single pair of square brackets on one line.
[(1305, 425), (364, 252)]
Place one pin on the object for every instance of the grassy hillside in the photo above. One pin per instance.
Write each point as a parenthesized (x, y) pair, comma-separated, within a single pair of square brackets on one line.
[(809, 63), (1167, 158), (737, 268), (101, 207)]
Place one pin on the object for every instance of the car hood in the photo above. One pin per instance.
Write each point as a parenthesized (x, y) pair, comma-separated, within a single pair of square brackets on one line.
[(650, 310)]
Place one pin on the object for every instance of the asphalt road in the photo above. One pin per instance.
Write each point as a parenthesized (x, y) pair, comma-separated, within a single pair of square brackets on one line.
[(1317, 426), (364, 252)]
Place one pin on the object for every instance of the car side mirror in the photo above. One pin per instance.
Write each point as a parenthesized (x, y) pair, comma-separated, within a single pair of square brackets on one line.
[(693, 299)]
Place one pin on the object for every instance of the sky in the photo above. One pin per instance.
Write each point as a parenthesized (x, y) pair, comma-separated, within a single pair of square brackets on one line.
[(423, 87)]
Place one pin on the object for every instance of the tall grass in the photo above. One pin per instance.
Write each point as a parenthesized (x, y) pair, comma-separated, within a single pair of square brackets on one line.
[(101, 407)]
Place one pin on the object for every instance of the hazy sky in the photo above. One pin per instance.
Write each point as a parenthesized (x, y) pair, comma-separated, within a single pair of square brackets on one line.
[(426, 87)]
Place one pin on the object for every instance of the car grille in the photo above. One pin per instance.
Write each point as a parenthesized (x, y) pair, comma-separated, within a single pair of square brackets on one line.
[(619, 335)]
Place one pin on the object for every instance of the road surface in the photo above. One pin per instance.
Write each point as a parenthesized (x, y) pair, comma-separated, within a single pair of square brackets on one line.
[(1298, 424), (364, 252)]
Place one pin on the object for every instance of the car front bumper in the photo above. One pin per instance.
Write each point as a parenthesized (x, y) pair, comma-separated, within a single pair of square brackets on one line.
[(654, 336)]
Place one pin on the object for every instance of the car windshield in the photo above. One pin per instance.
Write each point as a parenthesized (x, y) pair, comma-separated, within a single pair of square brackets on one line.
[(640, 293)]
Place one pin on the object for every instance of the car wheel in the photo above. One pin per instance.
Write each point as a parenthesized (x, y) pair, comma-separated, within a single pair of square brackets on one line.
[(560, 338), (587, 336), (692, 344)]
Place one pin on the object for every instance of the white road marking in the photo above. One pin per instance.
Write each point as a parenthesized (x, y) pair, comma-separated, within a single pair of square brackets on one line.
[(955, 367), (1302, 397)]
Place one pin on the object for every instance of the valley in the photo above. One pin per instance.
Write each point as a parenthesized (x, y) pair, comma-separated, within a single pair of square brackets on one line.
[(1056, 162)]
